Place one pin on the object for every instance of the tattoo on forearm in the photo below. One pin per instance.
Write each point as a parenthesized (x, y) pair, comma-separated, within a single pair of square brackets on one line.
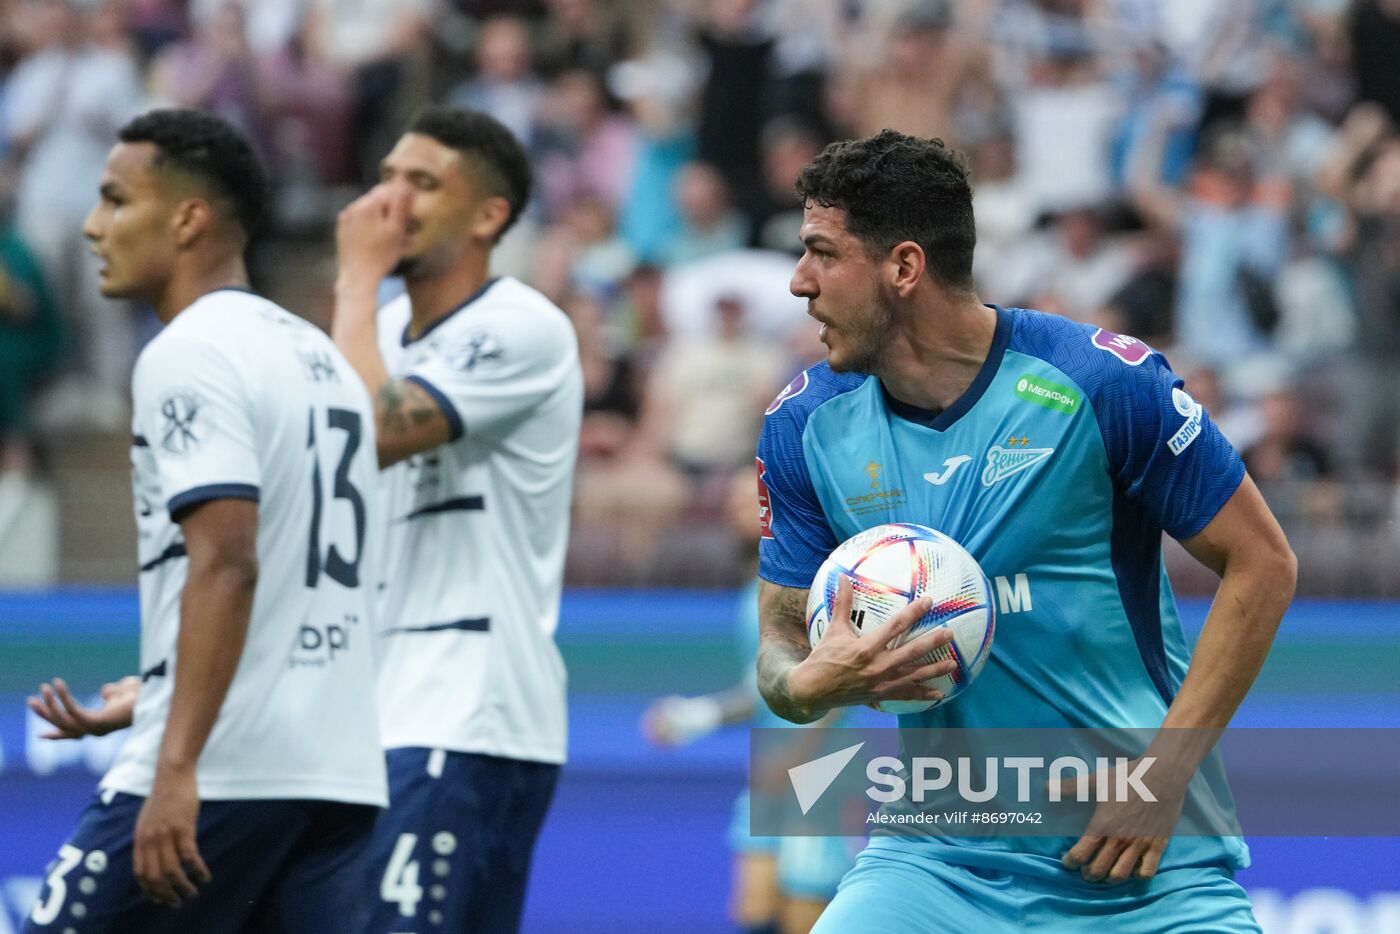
[(784, 644), (402, 403), (391, 414)]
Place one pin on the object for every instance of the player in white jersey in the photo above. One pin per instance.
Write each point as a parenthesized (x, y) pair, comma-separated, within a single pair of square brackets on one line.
[(478, 396), (253, 772)]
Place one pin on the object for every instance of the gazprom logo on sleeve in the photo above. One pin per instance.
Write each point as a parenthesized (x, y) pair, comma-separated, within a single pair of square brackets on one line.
[(1188, 432), (1043, 392)]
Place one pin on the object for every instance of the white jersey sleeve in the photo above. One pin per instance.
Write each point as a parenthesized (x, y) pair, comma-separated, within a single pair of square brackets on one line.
[(495, 372), (196, 418)]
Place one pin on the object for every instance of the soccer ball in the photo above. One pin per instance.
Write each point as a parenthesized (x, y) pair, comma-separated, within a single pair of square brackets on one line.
[(890, 566)]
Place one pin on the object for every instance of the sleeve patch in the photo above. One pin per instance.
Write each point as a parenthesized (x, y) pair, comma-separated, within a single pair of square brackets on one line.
[(181, 429), (1188, 432), (765, 502), (1128, 349), (792, 389), (478, 347)]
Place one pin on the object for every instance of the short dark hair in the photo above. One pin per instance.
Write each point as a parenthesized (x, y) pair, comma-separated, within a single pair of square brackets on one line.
[(497, 156), (893, 188), (210, 150)]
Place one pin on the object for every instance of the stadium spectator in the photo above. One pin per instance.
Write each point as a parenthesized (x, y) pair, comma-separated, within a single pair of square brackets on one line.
[(215, 70), (31, 337), (1234, 234), (1074, 268), (1363, 174), (706, 395), (582, 252), (65, 101), (504, 85), (582, 148), (376, 47), (1375, 43), (1064, 118), (736, 47), (710, 223), (785, 146), (915, 77)]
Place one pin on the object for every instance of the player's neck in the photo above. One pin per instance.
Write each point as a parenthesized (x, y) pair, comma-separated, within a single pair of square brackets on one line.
[(433, 297), (186, 286), (939, 352)]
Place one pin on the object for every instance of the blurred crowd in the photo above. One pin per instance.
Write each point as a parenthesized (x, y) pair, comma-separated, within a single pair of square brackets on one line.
[(1220, 178)]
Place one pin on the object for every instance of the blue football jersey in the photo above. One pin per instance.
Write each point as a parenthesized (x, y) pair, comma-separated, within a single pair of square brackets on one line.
[(1058, 470)]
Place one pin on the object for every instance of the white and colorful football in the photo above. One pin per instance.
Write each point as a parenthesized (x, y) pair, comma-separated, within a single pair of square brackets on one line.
[(890, 566)]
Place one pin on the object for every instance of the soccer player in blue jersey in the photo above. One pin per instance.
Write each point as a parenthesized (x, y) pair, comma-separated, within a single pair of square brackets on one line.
[(1056, 454)]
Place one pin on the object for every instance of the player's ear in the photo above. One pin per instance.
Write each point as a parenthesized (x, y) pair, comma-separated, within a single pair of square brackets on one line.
[(490, 216), (905, 264), (191, 219)]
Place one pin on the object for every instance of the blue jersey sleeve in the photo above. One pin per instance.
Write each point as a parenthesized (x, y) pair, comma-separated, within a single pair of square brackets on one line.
[(1165, 452), (796, 538)]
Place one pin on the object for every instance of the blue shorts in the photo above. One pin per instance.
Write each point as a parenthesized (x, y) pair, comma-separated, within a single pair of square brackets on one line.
[(892, 889), (277, 866), (452, 853)]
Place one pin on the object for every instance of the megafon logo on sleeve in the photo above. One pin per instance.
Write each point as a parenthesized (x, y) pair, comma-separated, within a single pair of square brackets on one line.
[(1128, 349)]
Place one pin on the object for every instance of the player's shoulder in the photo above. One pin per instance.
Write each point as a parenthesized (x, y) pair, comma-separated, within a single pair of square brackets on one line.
[(1099, 362), (510, 304), (508, 325), (814, 387), (219, 324), (234, 314)]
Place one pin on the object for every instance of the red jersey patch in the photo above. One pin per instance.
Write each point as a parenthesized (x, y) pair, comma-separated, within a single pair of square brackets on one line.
[(765, 506)]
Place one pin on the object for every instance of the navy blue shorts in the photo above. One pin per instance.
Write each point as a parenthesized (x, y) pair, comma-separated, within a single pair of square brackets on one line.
[(452, 853), (277, 866)]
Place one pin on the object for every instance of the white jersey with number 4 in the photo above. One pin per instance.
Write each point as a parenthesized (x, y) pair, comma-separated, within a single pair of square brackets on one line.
[(477, 528), (238, 398)]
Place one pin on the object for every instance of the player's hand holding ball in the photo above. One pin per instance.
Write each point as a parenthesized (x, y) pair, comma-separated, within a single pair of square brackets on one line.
[(900, 616)]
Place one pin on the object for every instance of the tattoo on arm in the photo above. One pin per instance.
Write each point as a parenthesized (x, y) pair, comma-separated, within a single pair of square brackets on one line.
[(402, 403), (782, 623)]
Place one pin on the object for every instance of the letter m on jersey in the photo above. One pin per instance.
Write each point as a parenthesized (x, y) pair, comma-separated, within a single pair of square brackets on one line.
[(1014, 596)]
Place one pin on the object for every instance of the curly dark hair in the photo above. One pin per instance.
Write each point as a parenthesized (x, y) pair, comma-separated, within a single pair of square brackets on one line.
[(210, 150), (497, 157), (893, 188)]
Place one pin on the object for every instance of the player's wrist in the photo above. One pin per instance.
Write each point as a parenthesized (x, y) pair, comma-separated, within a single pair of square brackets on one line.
[(690, 718), (802, 695), (356, 289)]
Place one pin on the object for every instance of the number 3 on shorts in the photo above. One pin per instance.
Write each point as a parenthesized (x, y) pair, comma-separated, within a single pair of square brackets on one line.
[(400, 882), (47, 910)]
